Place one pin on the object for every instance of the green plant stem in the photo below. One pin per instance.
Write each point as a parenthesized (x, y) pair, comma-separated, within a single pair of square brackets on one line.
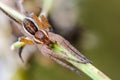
[(88, 69)]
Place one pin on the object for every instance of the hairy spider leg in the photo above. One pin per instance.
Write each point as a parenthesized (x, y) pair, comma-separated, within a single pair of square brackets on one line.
[(26, 41), (47, 52), (61, 41), (65, 65)]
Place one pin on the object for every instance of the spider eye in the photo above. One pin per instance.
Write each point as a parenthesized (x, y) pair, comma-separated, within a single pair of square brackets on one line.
[(29, 26)]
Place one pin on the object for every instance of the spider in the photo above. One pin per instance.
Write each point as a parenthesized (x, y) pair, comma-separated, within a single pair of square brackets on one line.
[(37, 30)]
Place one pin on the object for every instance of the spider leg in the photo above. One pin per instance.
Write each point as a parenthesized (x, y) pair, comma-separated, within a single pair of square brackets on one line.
[(75, 52), (65, 65), (49, 54), (65, 44), (20, 53), (26, 41), (46, 50), (64, 56), (45, 22)]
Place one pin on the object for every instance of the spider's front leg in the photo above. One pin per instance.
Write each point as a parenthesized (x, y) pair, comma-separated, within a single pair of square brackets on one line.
[(26, 41), (20, 44)]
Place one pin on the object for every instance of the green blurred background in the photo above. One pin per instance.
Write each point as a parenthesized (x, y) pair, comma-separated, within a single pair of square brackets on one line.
[(99, 21)]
